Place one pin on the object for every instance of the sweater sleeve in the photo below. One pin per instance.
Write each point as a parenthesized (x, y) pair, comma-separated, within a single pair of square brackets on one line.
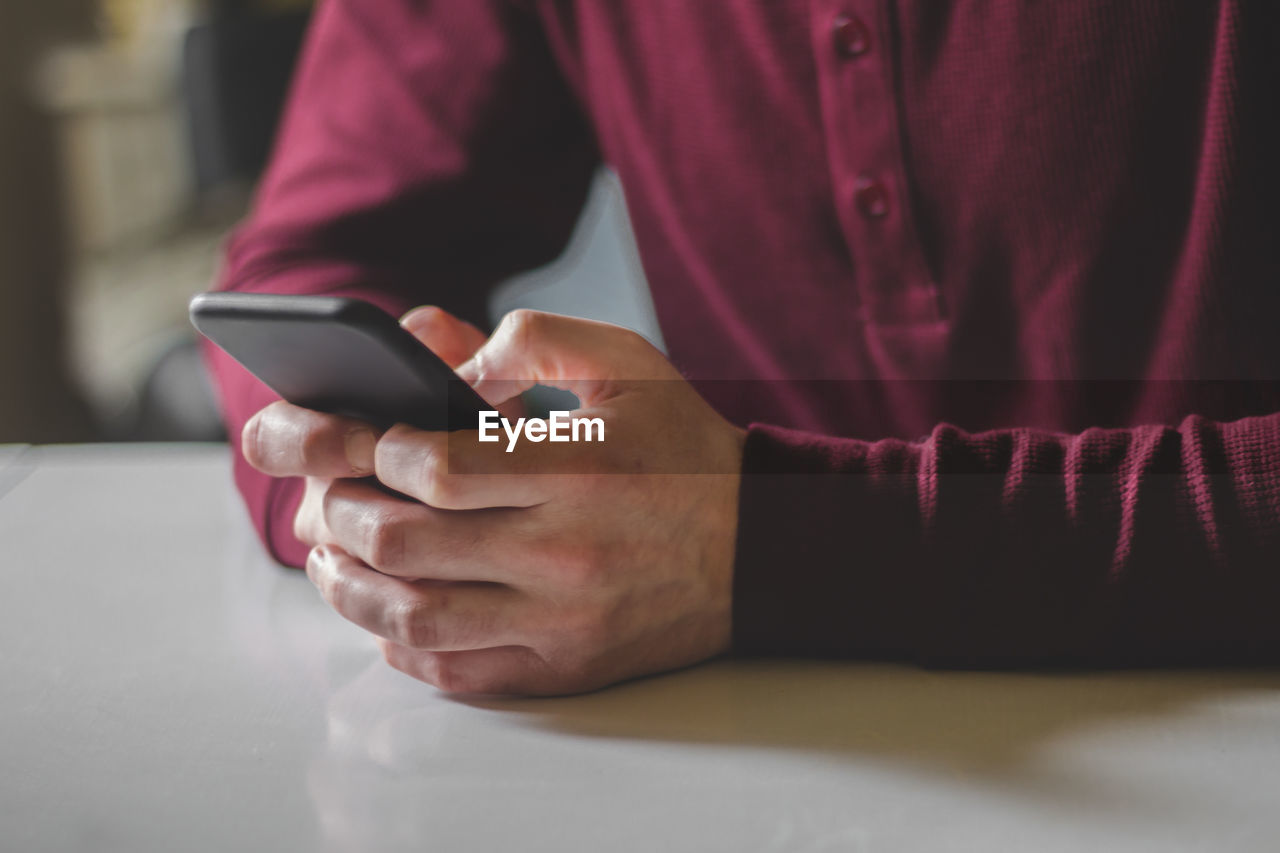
[(1156, 545), (428, 151)]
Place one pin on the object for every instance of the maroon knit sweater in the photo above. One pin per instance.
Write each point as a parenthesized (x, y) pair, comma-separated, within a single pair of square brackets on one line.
[(996, 285)]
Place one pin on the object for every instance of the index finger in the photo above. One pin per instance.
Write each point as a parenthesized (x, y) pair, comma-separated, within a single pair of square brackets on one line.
[(284, 440)]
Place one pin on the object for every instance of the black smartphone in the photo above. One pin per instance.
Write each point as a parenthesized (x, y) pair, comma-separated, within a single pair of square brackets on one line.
[(338, 355)]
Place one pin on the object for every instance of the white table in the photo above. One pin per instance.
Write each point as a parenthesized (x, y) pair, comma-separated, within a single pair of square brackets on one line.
[(14, 465), (166, 688)]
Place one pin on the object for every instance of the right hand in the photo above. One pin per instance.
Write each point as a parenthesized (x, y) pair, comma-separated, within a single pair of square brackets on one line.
[(284, 440)]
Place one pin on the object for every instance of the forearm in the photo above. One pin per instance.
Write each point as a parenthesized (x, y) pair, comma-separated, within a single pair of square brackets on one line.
[(1015, 547), (428, 151)]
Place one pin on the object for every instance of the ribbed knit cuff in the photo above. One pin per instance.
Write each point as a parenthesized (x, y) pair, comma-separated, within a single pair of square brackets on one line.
[(827, 532)]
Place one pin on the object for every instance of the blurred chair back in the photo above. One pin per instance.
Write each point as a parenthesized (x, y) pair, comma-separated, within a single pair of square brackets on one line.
[(236, 71)]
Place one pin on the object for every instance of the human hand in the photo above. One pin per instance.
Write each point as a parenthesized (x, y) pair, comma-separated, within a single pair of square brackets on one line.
[(284, 440), (557, 568)]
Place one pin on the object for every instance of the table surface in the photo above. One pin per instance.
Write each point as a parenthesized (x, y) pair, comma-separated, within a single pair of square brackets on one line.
[(13, 465), (165, 687)]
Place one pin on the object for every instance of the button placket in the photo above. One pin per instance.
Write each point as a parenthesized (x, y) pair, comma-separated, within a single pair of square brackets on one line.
[(854, 59), (871, 197), (850, 36)]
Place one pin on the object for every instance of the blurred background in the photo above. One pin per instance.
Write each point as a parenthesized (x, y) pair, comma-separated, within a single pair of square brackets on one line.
[(131, 132), (131, 135)]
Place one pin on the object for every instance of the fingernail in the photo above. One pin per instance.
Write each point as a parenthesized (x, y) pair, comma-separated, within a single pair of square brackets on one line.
[(414, 318), (360, 447)]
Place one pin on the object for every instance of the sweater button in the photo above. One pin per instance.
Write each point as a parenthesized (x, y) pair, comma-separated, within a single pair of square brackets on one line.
[(871, 198), (851, 36)]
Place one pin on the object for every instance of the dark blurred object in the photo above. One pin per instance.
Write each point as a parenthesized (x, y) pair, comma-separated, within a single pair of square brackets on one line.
[(236, 71), (37, 402), (163, 129)]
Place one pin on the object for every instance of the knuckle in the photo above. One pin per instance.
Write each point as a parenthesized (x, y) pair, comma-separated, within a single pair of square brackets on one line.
[(436, 486), (456, 677), (385, 541), (412, 625), (406, 660), (336, 590), (390, 453), (449, 674), (449, 678), (329, 503), (524, 326), (394, 655), (313, 445)]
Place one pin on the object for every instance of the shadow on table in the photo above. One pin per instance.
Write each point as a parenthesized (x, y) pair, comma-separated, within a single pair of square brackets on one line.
[(992, 727), (981, 720)]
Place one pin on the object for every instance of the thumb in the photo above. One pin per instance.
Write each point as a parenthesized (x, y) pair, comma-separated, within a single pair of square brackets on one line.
[(590, 359), (452, 339)]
